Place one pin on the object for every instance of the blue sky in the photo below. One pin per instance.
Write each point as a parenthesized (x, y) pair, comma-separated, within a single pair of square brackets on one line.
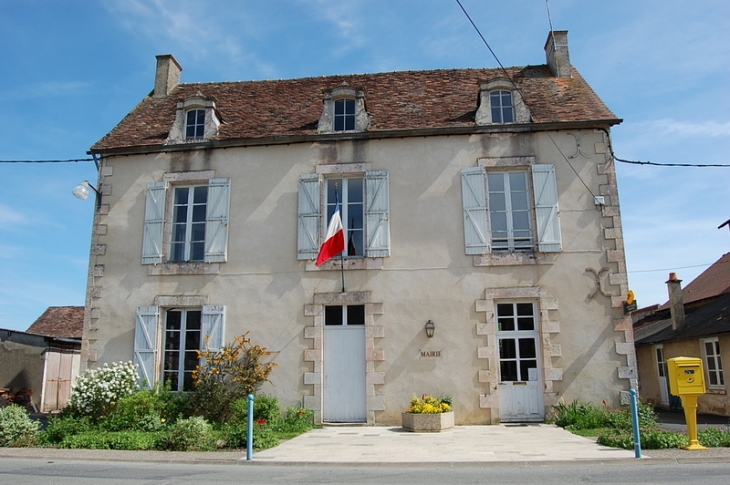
[(72, 69)]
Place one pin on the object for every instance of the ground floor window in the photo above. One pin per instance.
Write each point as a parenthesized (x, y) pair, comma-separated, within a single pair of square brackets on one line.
[(713, 362), (182, 342), (516, 330), (344, 315)]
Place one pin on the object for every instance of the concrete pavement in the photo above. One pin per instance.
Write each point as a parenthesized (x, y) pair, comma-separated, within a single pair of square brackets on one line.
[(519, 444)]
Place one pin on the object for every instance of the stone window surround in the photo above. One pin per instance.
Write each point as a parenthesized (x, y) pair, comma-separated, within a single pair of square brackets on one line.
[(343, 170), (484, 112), (314, 354), (212, 121), (181, 268), (513, 258), (547, 307), (326, 122)]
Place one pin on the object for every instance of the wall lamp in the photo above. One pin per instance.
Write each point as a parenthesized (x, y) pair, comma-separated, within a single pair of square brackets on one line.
[(81, 191), (430, 327)]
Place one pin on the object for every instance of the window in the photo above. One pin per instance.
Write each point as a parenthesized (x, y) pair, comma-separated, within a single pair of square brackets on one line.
[(188, 223), (195, 124), (182, 342), (516, 327), (509, 210), (364, 206), (502, 107), (193, 225), (344, 115), (183, 332), (344, 315), (713, 362)]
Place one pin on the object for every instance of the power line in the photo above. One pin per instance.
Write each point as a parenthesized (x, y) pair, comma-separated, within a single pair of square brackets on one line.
[(71, 160), (701, 165), (669, 269)]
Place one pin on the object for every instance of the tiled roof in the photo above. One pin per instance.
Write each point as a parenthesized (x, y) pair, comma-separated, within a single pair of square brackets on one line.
[(713, 281), (408, 100), (60, 322)]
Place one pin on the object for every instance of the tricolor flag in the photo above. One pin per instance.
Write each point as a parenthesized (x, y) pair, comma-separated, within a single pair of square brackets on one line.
[(334, 242)]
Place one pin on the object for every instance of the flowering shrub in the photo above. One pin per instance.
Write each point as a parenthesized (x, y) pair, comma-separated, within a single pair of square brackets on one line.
[(16, 425), (429, 405), (98, 391)]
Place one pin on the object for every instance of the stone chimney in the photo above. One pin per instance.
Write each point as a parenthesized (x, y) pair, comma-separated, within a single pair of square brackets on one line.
[(167, 75), (676, 303), (556, 53)]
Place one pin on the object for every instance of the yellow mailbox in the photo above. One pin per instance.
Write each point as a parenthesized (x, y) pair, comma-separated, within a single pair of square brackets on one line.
[(686, 376), (687, 380)]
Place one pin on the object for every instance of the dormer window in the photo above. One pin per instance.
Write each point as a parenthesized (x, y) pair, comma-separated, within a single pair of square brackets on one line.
[(195, 124), (500, 102), (344, 115), (344, 111), (196, 120), (502, 109)]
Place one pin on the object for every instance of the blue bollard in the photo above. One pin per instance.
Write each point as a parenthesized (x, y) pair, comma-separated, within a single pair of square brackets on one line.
[(635, 424), (249, 437)]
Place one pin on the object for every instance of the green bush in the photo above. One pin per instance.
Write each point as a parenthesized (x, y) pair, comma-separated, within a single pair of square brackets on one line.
[(191, 434), (621, 418), (579, 415), (713, 438), (146, 410), (264, 407), (235, 435), (296, 420), (658, 439), (119, 440), (617, 438), (16, 426), (97, 391), (62, 426)]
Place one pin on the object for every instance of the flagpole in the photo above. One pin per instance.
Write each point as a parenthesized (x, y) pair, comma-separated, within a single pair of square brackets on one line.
[(342, 268)]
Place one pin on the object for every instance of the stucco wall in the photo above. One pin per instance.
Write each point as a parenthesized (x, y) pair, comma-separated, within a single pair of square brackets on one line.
[(427, 276), (22, 362)]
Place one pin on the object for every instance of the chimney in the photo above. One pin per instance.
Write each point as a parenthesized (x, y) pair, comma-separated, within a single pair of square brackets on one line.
[(556, 53), (167, 75), (676, 303)]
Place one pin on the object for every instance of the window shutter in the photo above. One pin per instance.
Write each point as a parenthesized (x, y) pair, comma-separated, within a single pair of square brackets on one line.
[(216, 226), (545, 186), (474, 200), (154, 219), (145, 344), (309, 217), (377, 214), (213, 326)]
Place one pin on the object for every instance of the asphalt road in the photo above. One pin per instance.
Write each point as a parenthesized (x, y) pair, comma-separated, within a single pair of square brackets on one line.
[(35, 471)]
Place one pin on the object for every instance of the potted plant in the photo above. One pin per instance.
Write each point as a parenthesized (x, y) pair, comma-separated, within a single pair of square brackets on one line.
[(428, 414)]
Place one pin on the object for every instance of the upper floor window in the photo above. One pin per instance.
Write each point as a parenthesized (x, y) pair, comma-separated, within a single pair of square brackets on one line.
[(510, 210), (195, 124), (364, 209), (344, 110), (713, 362), (192, 226), (502, 107), (344, 115)]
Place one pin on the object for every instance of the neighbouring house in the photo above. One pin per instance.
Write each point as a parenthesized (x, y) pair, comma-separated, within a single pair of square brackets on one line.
[(478, 204), (41, 364), (695, 322)]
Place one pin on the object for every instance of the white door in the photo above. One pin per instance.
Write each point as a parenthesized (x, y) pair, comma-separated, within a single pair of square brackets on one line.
[(344, 365), (661, 365), (520, 373)]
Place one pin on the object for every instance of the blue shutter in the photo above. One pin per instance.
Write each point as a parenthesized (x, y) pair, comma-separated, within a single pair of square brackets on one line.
[(216, 226), (154, 220), (213, 327), (474, 201), (377, 214), (309, 214), (145, 345), (545, 185)]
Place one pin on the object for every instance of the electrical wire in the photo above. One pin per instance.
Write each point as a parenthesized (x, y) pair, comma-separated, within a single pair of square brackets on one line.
[(72, 160)]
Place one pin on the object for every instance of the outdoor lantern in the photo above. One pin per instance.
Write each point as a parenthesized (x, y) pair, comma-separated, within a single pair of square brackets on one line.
[(81, 191), (429, 328)]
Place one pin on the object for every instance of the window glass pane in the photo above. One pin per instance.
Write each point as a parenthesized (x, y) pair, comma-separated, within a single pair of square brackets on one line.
[(334, 190), (506, 309), (350, 106), (355, 190), (339, 106), (506, 98), (507, 348), (181, 195), (518, 181), (172, 377), (525, 366), (499, 224), (713, 379), (349, 123), (355, 243), (180, 214), (527, 348), (172, 360), (505, 324), (339, 123), (526, 323), (198, 213), (200, 117), (192, 320), (356, 315), (496, 182), (709, 349), (333, 315), (710, 363), (173, 320), (197, 251), (497, 201), (520, 221), (519, 201), (200, 195), (172, 340), (508, 371), (191, 360), (508, 115), (524, 309)]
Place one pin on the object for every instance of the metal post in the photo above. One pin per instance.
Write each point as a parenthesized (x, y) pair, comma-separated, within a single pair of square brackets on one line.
[(249, 437), (635, 424)]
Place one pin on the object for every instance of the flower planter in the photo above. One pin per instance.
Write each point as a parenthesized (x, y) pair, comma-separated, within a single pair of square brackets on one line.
[(427, 423)]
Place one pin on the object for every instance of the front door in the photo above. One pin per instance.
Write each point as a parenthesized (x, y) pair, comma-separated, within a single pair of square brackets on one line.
[(344, 364), (520, 374), (661, 365)]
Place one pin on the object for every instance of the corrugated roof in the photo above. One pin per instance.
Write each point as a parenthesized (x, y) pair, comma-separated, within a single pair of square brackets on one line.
[(405, 100), (60, 322)]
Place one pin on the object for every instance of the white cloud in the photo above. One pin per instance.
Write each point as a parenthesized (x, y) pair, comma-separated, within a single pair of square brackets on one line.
[(48, 89), (8, 216), (687, 128)]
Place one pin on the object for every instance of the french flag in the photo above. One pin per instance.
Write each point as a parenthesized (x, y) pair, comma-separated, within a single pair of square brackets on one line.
[(334, 242)]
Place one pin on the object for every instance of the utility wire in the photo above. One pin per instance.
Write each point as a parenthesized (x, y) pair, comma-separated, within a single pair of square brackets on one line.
[(72, 160)]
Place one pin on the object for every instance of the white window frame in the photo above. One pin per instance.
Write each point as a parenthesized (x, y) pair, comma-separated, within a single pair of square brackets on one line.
[(520, 111), (349, 108), (326, 122), (714, 360), (149, 338), (211, 120), (514, 241), (198, 126), (544, 210), (156, 244), (186, 226), (500, 109), (312, 219), (181, 348)]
